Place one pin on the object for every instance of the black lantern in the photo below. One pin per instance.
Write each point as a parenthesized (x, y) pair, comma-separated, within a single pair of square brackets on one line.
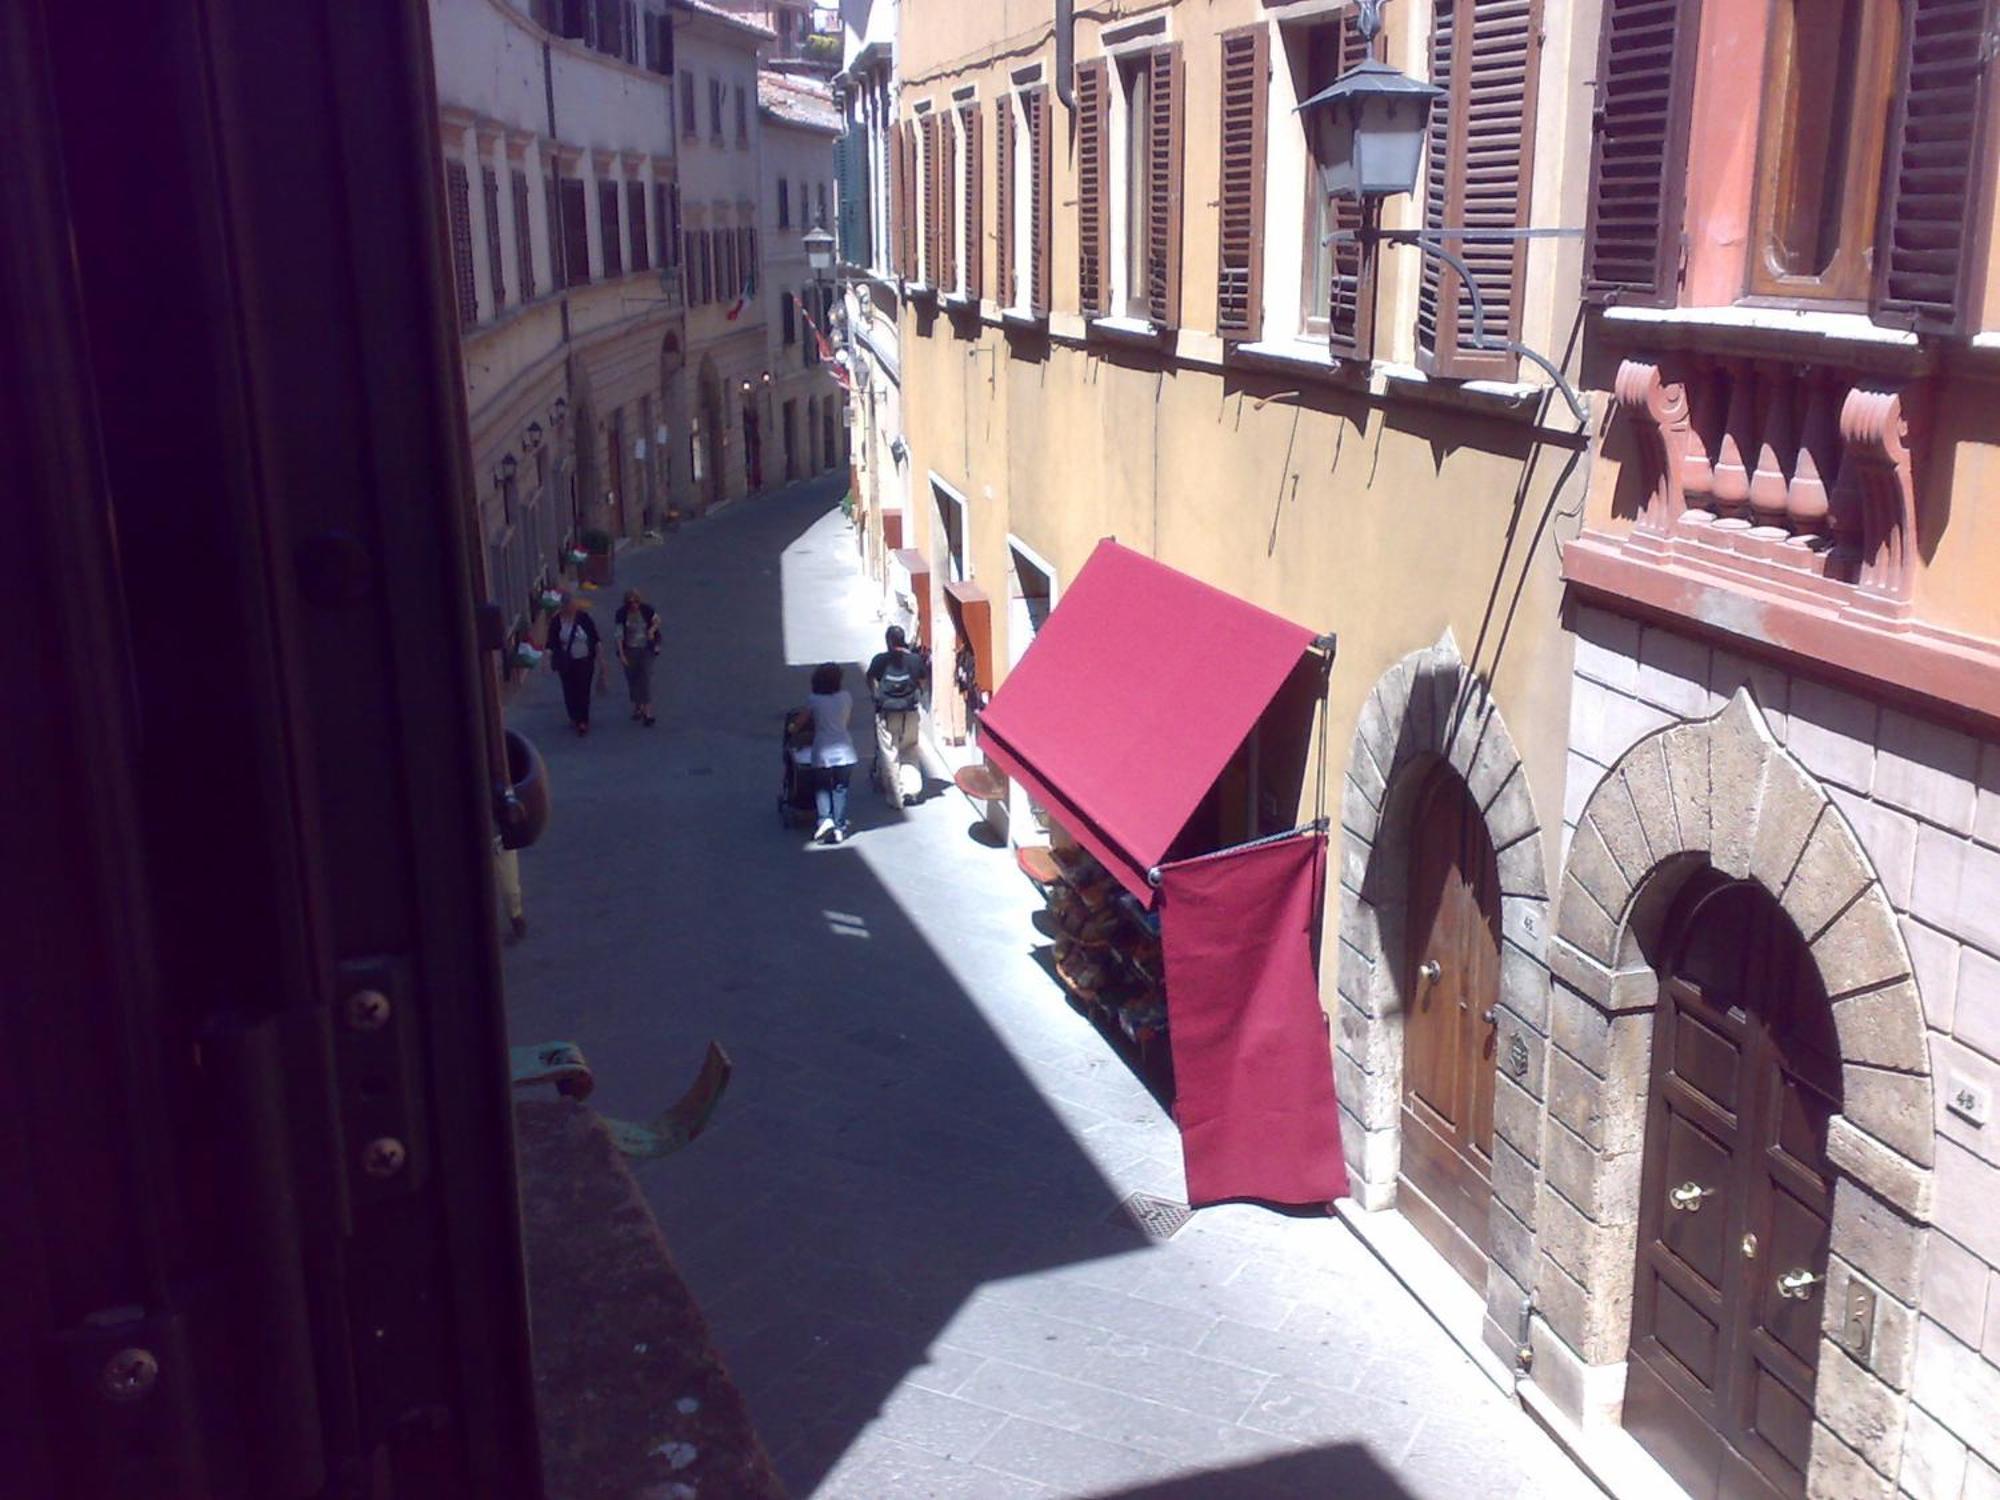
[(534, 436), (1368, 130), (509, 467)]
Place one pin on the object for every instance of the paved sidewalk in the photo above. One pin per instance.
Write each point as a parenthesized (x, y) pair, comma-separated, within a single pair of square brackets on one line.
[(900, 1225)]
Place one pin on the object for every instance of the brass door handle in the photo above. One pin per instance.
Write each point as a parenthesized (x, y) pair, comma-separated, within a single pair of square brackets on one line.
[(1687, 1197), (1428, 971), (1797, 1285)]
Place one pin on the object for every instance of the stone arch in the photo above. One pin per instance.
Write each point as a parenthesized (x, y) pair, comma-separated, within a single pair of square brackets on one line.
[(1430, 708), (1720, 793)]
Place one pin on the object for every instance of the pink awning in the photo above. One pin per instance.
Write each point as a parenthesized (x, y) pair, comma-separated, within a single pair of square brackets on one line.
[(1138, 689), (1253, 1060)]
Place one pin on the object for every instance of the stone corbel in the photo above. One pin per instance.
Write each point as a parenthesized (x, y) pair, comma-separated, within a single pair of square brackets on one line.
[(1875, 450), (1660, 411)]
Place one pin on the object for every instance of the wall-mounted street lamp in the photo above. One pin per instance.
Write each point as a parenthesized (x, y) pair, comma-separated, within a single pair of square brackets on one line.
[(534, 436), (819, 250), (509, 467), (1368, 129), (559, 411)]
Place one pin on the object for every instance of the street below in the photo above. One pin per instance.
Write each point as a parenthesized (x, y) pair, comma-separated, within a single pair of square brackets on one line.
[(903, 1224)]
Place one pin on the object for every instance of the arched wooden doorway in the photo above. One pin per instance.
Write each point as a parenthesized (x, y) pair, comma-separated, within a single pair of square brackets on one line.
[(1444, 1184), (1736, 1200)]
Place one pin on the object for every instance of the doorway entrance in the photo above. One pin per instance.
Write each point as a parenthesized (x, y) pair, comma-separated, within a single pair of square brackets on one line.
[(1736, 1200), (753, 449), (1444, 1183)]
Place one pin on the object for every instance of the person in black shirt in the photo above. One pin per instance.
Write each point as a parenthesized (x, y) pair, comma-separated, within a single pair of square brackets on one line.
[(573, 655), (897, 677)]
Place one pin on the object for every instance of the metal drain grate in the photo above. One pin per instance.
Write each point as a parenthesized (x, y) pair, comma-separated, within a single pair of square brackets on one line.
[(1155, 1218)]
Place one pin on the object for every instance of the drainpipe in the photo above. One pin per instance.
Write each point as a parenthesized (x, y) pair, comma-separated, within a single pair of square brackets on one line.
[(1066, 53)]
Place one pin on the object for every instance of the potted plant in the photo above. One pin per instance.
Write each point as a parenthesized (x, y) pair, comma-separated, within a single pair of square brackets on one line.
[(597, 555)]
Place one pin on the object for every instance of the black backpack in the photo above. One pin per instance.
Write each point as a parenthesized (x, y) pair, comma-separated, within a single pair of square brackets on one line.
[(897, 690)]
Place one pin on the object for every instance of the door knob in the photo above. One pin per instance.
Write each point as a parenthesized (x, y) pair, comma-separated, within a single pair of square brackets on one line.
[(1489, 1015), (1428, 971), (1797, 1285), (1687, 1197)]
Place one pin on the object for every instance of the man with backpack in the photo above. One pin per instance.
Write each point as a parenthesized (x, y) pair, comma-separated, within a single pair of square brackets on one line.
[(897, 677)]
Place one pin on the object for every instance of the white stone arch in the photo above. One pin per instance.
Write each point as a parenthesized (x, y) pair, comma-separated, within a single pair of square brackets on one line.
[(1721, 794), (1430, 708)]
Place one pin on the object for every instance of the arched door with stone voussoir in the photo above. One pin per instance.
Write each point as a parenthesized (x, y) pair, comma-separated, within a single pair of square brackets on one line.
[(1736, 1199)]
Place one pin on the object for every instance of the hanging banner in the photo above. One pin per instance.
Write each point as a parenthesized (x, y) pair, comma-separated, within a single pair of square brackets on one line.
[(1253, 1062)]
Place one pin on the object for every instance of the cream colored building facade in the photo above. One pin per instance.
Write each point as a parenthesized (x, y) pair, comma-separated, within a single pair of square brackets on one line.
[(1104, 304)]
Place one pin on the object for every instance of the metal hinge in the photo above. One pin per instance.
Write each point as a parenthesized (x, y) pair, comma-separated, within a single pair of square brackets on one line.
[(128, 1411)]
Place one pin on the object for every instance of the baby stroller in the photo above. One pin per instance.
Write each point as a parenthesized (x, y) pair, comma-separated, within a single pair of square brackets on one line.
[(795, 794)]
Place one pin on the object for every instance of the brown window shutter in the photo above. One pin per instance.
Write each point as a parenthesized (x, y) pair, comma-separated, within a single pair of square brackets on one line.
[(489, 192), (608, 239), (1350, 302), (635, 212), (929, 172), (576, 233), (524, 242), (944, 192), (558, 262), (1093, 216), (1041, 206), (896, 200), (1163, 188), (1003, 201), (975, 206), (1638, 159), (458, 194), (1246, 90), (1938, 185), (1484, 53)]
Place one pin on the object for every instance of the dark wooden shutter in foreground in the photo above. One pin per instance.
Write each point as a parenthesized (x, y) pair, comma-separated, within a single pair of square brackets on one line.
[(1163, 187), (1638, 159), (1040, 207), (1246, 92), (1003, 201), (524, 241), (1350, 293), (1093, 217), (975, 205), (489, 194), (458, 194), (1485, 54), (1938, 187)]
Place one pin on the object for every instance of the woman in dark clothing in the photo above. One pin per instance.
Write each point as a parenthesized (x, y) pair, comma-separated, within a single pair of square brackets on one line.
[(638, 643), (573, 654)]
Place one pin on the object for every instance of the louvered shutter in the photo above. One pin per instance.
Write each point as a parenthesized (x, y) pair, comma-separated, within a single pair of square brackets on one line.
[(458, 196), (1938, 187), (896, 266), (1485, 55), (524, 242), (1093, 216), (1163, 187), (944, 189), (489, 193), (635, 215), (928, 270), (558, 261), (1638, 160), (576, 232), (1003, 201), (1040, 207), (1350, 295), (975, 205), (1239, 282), (609, 242)]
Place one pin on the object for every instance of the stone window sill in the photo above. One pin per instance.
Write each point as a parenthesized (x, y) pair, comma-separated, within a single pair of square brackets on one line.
[(1311, 359), (1136, 331), (1021, 317)]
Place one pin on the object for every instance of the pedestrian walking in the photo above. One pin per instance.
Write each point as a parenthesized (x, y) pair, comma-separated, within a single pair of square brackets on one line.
[(833, 757), (573, 644), (896, 678), (638, 643)]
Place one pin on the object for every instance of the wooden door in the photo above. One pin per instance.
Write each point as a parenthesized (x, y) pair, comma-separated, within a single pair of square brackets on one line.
[(1736, 1200), (1453, 985)]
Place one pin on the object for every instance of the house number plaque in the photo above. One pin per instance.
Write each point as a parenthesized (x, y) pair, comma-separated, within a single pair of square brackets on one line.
[(1517, 1056)]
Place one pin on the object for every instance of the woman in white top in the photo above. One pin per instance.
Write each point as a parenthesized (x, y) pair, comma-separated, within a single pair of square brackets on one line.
[(833, 756)]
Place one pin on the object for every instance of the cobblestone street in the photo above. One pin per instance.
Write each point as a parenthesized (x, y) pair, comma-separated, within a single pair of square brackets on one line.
[(901, 1225)]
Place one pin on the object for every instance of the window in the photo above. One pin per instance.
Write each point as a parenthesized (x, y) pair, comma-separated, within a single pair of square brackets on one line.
[(1036, 135), (1336, 298), (941, 196), (742, 116), (609, 239), (489, 192), (784, 205), (524, 240), (575, 233), (635, 220), (715, 108), (1239, 283), (972, 208), (1485, 55), (458, 199), (821, 220), (1136, 79), (1006, 255), (689, 126), (1830, 66), (1128, 187), (660, 45), (552, 221), (787, 319)]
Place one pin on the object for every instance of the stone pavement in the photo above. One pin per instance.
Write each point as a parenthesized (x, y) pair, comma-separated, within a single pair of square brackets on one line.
[(901, 1225)]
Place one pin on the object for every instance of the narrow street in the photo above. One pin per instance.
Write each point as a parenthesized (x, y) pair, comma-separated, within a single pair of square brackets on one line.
[(902, 1224)]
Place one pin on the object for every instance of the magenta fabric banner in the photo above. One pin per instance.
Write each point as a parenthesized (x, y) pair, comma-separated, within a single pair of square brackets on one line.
[(1253, 1061)]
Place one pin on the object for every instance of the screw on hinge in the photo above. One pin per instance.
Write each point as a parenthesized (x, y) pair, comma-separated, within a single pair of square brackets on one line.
[(128, 1375), (383, 1157), (367, 1010)]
